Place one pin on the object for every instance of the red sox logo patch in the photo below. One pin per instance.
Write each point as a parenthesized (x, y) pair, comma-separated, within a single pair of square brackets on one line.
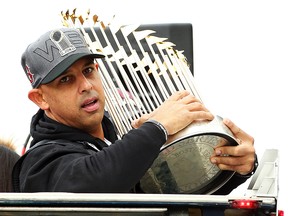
[(29, 74)]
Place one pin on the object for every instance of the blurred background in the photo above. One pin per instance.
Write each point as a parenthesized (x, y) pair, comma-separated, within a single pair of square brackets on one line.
[(240, 60)]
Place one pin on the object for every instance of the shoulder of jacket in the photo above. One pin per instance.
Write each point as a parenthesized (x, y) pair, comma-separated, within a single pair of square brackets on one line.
[(49, 142)]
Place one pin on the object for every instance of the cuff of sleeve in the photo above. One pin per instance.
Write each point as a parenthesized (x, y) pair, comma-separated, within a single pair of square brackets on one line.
[(253, 171), (159, 126)]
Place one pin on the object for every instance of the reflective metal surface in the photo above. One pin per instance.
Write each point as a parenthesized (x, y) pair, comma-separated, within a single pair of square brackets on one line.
[(183, 165)]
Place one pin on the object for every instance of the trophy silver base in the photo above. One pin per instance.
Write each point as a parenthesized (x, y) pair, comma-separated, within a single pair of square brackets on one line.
[(183, 164)]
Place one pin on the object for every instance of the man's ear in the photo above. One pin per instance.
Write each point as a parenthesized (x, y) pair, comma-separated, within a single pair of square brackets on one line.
[(36, 96)]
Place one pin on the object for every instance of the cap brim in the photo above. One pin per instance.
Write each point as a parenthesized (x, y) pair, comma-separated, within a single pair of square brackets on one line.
[(65, 64)]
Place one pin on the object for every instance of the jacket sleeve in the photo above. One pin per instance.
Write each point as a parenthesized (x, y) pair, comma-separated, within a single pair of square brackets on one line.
[(117, 168)]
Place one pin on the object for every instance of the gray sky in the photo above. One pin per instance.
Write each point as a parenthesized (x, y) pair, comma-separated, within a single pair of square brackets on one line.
[(240, 58)]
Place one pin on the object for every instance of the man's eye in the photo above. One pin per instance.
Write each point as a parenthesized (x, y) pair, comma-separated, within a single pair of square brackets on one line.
[(64, 79), (88, 70)]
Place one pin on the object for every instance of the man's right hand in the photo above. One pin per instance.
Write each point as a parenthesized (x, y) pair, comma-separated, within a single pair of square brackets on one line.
[(177, 112)]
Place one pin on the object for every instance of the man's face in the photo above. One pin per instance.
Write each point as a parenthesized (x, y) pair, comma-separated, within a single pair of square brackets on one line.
[(76, 98)]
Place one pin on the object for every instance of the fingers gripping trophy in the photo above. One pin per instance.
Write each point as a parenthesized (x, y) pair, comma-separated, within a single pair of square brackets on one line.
[(140, 71)]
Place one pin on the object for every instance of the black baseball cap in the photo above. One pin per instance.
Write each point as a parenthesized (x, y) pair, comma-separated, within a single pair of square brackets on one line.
[(53, 53)]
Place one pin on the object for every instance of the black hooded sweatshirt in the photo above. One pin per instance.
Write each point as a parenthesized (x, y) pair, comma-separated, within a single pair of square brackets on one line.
[(66, 159)]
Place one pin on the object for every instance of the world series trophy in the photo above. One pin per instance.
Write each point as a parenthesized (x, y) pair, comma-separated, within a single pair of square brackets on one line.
[(139, 72)]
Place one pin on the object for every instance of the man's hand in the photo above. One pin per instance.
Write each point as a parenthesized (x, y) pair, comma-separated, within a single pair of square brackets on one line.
[(177, 112), (241, 157)]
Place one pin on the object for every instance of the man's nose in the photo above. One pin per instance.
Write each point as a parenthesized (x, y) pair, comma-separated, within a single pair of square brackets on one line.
[(85, 84)]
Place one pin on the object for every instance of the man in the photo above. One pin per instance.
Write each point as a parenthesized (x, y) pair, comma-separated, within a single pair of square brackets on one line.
[(75, 147)]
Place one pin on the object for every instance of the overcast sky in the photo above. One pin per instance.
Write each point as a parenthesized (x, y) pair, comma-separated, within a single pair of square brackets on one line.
[(240, 58)]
